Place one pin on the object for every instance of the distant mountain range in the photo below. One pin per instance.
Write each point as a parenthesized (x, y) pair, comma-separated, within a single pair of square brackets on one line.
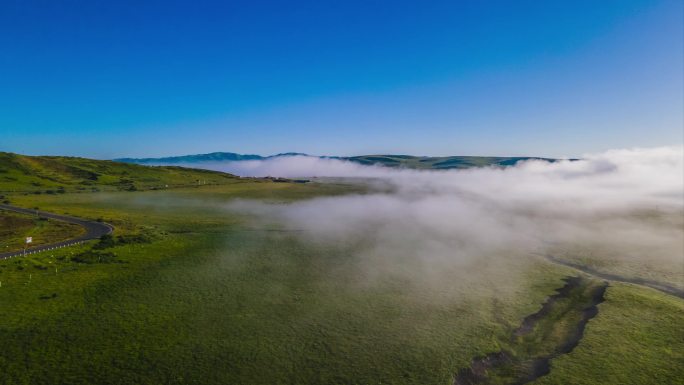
[(406, 161), (200, 158)]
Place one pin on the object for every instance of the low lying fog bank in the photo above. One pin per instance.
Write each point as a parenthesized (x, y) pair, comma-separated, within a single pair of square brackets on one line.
[(294, 166), (625, 204)]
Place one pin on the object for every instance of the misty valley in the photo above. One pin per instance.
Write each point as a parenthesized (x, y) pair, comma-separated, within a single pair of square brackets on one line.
[(528, 273)]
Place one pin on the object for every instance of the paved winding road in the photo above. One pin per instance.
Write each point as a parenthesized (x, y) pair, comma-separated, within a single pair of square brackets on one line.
[(94, 230), (660, 286)]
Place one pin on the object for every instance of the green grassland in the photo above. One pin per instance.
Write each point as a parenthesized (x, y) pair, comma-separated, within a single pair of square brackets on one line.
[(547, 337), (637, 338), (187, 292), (15, 227), (208, 298)]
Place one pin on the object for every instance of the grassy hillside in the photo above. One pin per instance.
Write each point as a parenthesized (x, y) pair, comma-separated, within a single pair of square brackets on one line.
[(56, 174)]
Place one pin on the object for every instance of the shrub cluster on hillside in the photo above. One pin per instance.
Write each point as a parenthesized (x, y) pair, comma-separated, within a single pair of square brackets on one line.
[(108, 241)]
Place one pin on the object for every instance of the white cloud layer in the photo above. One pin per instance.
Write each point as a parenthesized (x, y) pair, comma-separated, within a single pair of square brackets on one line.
[(621, 205)]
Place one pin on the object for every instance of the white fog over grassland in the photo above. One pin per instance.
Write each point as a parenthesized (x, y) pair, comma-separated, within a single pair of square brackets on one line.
[(621, 210)]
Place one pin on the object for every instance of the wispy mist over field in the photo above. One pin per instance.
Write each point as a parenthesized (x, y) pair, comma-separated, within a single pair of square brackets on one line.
[(618, 207)]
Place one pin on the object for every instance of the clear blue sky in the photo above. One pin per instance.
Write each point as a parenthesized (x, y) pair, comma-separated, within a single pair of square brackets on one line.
[(141, 78)]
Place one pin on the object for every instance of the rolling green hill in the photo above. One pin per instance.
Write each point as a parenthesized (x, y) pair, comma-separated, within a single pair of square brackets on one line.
[(212, 157), (406, 161), (57, 174), (439, 163)]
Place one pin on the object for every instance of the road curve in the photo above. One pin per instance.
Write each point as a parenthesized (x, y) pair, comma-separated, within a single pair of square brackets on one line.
[(94, 230), (660, 286)]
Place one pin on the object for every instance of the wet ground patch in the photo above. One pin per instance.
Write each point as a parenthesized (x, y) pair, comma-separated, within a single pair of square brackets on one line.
[(555, 329)]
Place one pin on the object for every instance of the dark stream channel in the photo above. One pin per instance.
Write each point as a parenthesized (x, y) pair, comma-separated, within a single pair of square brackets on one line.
[(522, 368)]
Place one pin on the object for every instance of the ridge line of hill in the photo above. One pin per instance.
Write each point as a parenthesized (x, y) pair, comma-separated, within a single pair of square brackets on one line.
[(59, 174), (407, 161)]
